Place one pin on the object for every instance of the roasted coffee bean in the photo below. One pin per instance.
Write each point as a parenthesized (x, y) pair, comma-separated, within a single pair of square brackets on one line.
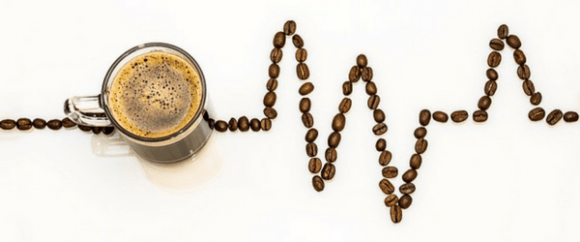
[(496, 44), (96, 130), (289, 27), (344, 105), (24, 124), (524, 72), (307, 120), (272, 85), (311, 149), (503, 31), (528, 87), (367, 74), (354, 74), (330, 154), (420, 132), (514, 42), (276, 55), (302, 71), (255, 124), (338, 122), (415, 161), (408, 188), (317, 183), (380, 129), (314, 165), (459, 116), (7, 124), (311, 135), (85, 128), (39, 123), (373, 102), (379, 115), (491, 74), (334, 139), (536, 98), (519, 57), (421, 145), (385, 158), (371, 88), (270, 99), (484, 103), (244, 124), (301, 55), (347, 88), (274, 70), (306, 88), (211, 123), (480, 116), (233, 124), (279, 40), (391, 200), (270, 112), (405, 201), (554, 117), (396, 214), (266, 124), (221, 126), (390, 172), (424, 117), (361, 61), (537, 114), (54, 124), (108, 130), (440, 117), (490, 88), (494, 59), (386, 186), (381, 144), (297, 41), (67, 123), (409, 175), (304, 105), (328, 171), (571, 117)]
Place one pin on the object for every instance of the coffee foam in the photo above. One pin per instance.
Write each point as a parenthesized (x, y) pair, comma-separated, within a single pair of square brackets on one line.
[(155, 94)]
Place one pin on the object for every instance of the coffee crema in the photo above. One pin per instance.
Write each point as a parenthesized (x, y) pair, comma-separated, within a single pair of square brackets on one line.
[(155, 94)]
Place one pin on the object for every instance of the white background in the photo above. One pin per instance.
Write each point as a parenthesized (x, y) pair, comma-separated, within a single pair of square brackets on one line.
[(508, 179)]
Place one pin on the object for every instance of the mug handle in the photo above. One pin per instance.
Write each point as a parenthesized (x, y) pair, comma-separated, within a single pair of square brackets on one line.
[(87, 111)]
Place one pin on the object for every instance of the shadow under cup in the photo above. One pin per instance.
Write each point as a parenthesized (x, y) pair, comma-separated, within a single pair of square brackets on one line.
[(94, 111)]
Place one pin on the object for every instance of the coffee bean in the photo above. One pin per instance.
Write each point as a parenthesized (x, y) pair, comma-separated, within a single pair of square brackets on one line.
[(390, 172), (279, 40), (266, 124), (524, 72), (302, 71), (536, 114), (405, 201), (314, 165), (354, 74), (289, 27), (270, 112), (96, 130), (440, 117), (67, 123), (373, 102), (554, 117), (386, 186), (385, 158), (54, 124), (330, 154), (396, 214), (311, 135), (221, 126), (459, 116), (297, 41), (408, 188), (24, 124), (424, 117), (7, 124), (233, 124), (328, 171), (416, 161), (272, 85), (420, 132), (307, 120), (494, 59), (536, 98), (484, 103), (344, 105), (338, 122), (519, 57), (480, 116), (244, 124), (304, 105), (421, 145), (496, 44), (528, 87), (108, 130), (380, 129), (381, 144), (301, 55), (571, 117), (361, 61), (311, 149), (391, 200), (255, 124), (371, 88), (490, 88), (334, 139), (211, 123), (514, 42), (379, 115), (367, 74), (409, 175), (306, 88), (274, 70), (276, 55), (347, 88), (503, 31), (317, 183), (491, 74), (39, 123), (270, 99), (85, 128)]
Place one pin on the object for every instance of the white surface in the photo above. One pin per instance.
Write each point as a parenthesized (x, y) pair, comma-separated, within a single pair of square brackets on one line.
[(508, 179)]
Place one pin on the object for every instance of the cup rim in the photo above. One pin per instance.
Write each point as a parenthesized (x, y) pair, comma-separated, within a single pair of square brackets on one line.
[(123, 56)]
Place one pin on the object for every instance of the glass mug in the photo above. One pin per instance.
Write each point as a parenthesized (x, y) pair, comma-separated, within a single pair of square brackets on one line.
[(95, 111)]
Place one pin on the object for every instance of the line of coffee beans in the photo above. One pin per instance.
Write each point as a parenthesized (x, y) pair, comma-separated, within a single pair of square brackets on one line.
[(24, 124)]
